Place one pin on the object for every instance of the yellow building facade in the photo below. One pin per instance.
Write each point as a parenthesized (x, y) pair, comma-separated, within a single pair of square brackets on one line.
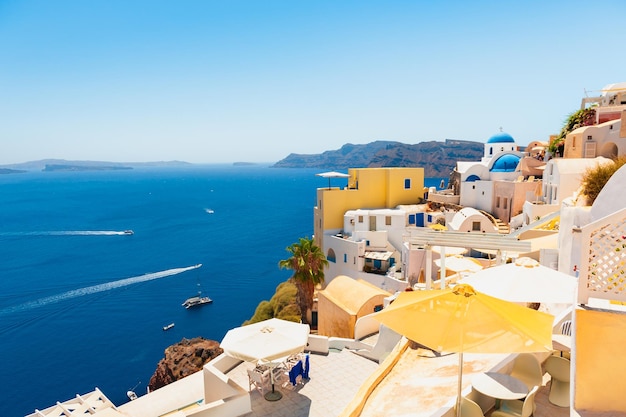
[(368, 188)]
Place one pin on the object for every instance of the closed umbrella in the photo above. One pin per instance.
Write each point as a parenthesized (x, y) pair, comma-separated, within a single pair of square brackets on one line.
[(525, 281), (463, 320), (266, 341)]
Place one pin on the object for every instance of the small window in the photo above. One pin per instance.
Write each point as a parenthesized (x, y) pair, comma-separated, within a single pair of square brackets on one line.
[(590, 137), (505, 203), (345, 258), (497, 202), (378, 307), (360, 219), (411, 218), (407, 183), (475, 226), (388, 220), (331, 256)]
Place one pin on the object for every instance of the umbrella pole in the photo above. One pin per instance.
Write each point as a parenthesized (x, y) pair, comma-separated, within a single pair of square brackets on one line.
[(460, 386), (274, 395)]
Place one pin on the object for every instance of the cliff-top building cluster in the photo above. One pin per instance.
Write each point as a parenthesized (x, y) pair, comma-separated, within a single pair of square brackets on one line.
[(384, 233)]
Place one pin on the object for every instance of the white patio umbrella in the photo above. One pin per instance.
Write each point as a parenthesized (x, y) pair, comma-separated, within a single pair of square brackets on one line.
[(524, 281), (266, 341), (458, 263), (332, 174), (449, 250)]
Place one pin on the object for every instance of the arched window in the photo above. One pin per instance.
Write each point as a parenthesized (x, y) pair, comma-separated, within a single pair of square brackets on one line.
[(331, 256)]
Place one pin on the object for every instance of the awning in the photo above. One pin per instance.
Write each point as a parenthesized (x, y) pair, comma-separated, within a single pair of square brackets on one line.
[(379, 256)]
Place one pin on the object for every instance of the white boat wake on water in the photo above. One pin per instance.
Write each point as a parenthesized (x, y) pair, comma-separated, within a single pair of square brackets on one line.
[(71, 233), (87, 233), (95, 289)]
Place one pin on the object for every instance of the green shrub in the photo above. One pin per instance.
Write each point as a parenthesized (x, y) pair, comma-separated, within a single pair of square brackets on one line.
[(263, 311), (282, 305), (285, 295)]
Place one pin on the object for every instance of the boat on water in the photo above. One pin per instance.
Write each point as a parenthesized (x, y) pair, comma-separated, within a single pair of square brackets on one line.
[(169, 326), (131, 394), (128, 232), (196, 301)]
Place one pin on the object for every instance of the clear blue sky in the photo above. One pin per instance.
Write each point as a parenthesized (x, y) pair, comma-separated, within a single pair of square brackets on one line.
[(223, 81)]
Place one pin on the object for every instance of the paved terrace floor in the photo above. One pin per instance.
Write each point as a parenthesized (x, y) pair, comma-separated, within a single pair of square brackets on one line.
[(334, 380), (418, 386)]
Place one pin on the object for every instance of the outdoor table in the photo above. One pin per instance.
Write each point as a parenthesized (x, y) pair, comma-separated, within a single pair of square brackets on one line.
[(562, 342), (499, 386)]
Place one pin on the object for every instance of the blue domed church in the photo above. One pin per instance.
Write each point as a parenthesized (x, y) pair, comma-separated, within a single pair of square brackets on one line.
[(495, 183)]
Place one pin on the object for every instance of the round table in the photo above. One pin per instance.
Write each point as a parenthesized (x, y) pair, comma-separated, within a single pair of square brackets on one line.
[(499, 386), (562, 342)]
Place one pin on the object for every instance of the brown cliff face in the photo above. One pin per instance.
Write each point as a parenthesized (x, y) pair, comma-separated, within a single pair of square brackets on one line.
[(437, 158), (183, 359)]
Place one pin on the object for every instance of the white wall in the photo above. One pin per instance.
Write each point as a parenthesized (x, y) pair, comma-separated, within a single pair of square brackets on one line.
[(570, 217), (349, 257), (477, 194)]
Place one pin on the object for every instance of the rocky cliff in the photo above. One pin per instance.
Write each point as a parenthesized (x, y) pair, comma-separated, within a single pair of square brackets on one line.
[(183, 359), (437, 158)]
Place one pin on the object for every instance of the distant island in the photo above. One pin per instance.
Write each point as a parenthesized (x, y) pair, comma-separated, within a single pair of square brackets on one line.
[(437, 158), (61, 167), (51, 165), (11, 171)]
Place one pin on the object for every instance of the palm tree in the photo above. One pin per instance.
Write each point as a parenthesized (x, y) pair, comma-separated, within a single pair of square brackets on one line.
[(307, 262)]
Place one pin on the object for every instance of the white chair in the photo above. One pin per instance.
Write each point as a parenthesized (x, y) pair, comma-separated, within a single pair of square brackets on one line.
[(470, 409), (386, 342), (559, 370), (259, 380), (517, 408), (526, 368)]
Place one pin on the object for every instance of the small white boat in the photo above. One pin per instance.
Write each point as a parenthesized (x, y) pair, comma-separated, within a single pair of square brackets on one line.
[(131, 392), (128, 232), (169, 326)]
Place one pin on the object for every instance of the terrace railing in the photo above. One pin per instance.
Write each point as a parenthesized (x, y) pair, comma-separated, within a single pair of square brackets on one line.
[(603, 258)]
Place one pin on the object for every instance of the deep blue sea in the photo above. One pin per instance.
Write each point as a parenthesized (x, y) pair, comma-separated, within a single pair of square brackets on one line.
[(82, 305)]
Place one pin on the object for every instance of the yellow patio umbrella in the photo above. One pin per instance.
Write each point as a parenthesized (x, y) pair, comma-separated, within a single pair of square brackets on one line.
[(437, 226), (462, 320)]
